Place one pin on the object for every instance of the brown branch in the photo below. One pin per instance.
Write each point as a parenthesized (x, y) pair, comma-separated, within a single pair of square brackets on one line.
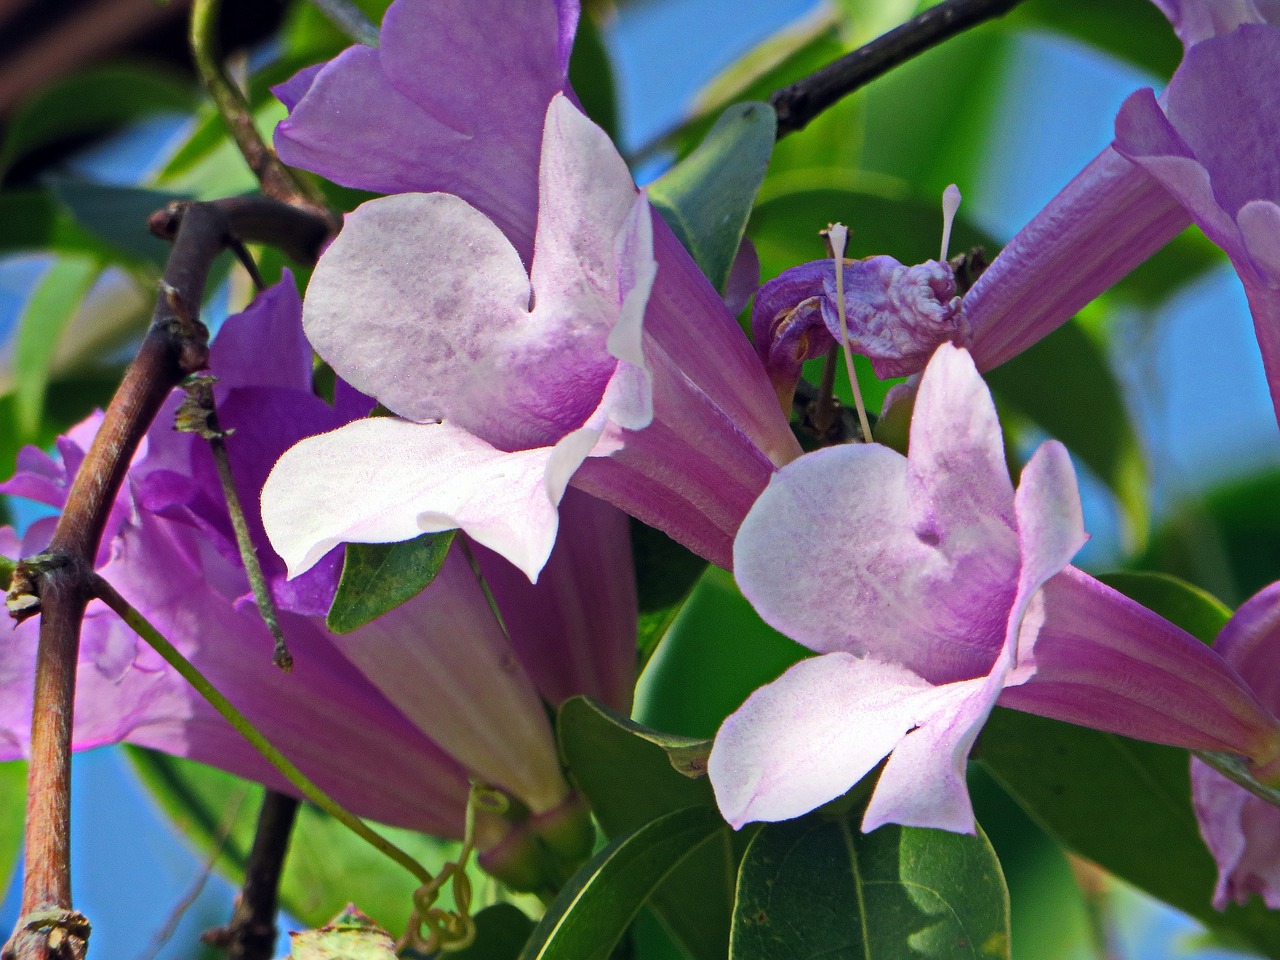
[(56, 584), (805, 99), (251, 934)]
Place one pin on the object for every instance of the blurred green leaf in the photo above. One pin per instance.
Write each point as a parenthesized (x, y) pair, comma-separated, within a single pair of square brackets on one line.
[(13, 803), (819, 887), (33, 220), (1130, 30), (628, 774), (593, 910), (117, 215), (378, 577), (707, 197), (715, 654), (1123, 804), (501, 933), (1228, 542), (327, 866), (591, 76), (665, 575), (46, 314), (91, 101), (1066, 387), (1196, 611)]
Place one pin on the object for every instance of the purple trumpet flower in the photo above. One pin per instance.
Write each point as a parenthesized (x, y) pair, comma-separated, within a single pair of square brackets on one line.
[(1218, 113), (597, 354), (1241, 830), (934, 591), (391, 719)]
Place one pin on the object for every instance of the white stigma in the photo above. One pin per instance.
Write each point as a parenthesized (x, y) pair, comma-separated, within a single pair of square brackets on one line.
[(837, 236), (950, 204)]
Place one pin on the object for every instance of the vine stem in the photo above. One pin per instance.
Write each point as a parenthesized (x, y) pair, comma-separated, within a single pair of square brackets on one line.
[(277, 180), (802, 101), (187, 670), (56, 583)]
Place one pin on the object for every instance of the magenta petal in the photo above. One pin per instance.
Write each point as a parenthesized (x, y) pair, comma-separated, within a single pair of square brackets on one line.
[(575, 632), (1110, 218), (431, 109), (810, 735), (446, 663), (1104, 661)]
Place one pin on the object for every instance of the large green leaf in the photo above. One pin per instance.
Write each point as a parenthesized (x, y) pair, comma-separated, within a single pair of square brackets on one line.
[(593, 910), (117, 216), (13, 802), (92, 101), (632, 775), (818, 887), (707, 197), (1125, 805), (716, 652), (1066, 387), (32, 219), (327, 867), (46, 314), (501, 933), (378, 577), (665, 575)]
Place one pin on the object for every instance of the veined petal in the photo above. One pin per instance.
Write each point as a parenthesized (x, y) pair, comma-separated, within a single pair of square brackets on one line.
[(443, 659), (575, 632), (810, 735), (385, 480), (1196, 20), (1104, 661), (430, 274)]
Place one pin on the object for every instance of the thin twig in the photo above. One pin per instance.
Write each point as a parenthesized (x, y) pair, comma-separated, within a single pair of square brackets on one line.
[(276, 179), (199, 415), (251, 934), (802, 101), (56, 584), (350, 19), (187, 670)]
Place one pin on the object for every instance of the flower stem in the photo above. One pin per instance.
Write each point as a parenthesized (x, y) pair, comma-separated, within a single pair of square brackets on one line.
[(171, 655), (277, 180)]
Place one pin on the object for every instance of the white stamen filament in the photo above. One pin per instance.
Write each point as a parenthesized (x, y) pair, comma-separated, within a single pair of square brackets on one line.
[(950, 204), (837, 237)]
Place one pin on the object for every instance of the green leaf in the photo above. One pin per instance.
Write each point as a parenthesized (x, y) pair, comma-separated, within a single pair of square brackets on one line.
[(32, 219), (92, 101), (48, 311), (707, 197), (377, 577), (665, 576), (501, 933), (818, 887), (349, 936), (632, 775), (591, 76), (1123, 804), (1066, 387), (327, 865), (1130, 30), (13, 804), (117, 215), (719, 647), (1196, 611), (593, 910)]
